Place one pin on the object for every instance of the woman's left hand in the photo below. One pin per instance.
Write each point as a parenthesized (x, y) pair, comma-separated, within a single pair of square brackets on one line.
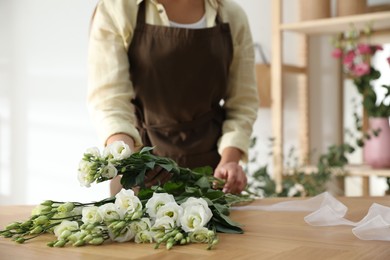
[(234, 176)]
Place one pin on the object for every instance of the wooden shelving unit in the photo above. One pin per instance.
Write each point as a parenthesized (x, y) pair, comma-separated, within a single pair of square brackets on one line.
[(380, 21)]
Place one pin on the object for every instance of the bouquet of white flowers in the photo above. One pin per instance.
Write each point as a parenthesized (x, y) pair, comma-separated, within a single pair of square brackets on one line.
[(188, 208)]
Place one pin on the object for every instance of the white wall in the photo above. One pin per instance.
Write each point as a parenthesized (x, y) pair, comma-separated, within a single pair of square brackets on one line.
[(44, 125)]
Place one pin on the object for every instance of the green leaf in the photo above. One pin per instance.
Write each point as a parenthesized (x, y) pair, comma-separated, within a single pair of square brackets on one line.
[(128, 180), (146, 149), (167, 167), (214, 194), (203, 183), (140, 178), (174, 187), (145, 194), (206, 170), (221, 209), (219, 227), (150, 165), (192, 191), (227, 223)]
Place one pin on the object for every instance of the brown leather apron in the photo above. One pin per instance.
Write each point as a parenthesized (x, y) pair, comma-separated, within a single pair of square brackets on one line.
[(180, 77)]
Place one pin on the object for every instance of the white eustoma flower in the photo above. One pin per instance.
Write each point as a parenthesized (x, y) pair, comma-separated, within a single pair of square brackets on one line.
[(196, 214), (201, 235), (85, 173), (164, 223), (91, 215), (109, 171), (156, 201), (126, 234), (65, 225), (141, 225), (172, 210), (76, 211), (194, 201), (108, 212), (128, 204), (94, 151), (144, 236), (118, 150)]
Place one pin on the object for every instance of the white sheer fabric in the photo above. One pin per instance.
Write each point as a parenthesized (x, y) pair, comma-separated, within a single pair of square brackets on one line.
[(328, 211)]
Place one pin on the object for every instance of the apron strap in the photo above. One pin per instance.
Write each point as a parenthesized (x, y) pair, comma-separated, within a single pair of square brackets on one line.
[(218, 19), (141, 14)]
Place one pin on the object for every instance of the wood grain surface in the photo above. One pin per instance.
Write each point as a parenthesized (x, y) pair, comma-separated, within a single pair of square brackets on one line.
[(268, 235)]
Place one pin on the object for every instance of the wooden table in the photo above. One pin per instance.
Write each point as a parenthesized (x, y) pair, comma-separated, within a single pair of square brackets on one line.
[(268, 235)]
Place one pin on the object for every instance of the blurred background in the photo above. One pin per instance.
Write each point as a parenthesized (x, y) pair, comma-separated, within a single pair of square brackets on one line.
[(44, 123)]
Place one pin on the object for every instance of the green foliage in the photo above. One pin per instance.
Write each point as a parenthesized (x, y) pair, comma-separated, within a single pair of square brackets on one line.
[(299, 182), (371, 102), (184, 183)]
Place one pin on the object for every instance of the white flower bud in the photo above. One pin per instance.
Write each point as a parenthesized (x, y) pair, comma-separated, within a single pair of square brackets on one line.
[(109, 171), (126, 234), (65, 225), (144, 236), (201, 235), (91, 215)]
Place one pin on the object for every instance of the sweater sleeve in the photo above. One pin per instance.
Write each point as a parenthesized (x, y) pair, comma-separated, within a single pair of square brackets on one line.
[(242, 102), (109, 87)]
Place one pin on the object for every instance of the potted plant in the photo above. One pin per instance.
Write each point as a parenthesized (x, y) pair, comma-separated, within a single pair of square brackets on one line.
[(356, 53)]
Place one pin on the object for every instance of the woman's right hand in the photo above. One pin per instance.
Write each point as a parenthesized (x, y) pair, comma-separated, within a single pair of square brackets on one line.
[(121, 137), (115, 183)]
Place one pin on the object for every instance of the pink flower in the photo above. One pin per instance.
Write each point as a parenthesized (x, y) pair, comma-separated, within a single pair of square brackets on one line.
[(361, 69), (364, 48), (349, 57), (337, 53)]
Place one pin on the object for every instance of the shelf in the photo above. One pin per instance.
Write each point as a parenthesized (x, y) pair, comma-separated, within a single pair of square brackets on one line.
[(381, 21), (294, 69), (363, 170), (359, 170)]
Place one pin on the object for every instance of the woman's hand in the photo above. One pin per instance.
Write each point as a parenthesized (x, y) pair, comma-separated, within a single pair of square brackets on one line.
[(115, 184), (229, 170), (234, 176)]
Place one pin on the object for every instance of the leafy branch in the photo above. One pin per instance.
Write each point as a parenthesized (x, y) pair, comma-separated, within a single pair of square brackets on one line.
[(184, 183)]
